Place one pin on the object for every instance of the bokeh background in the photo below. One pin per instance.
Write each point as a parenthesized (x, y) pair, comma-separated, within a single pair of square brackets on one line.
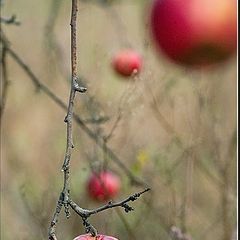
[(173, 128)]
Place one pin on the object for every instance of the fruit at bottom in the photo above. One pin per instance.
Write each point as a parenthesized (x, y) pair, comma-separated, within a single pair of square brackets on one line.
[(98, 237)]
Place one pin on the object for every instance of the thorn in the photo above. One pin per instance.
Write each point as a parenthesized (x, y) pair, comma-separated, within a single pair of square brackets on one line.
[(77, 87), (80, 89), (65, 167), (66, 119)]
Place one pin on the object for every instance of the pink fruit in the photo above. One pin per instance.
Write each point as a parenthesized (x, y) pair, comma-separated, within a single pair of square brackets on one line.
[(195, 32), (103, 186), (127, 62), (98, 237)]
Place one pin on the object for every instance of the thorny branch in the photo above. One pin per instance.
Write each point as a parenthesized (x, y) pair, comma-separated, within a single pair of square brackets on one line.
[(85, 213), (64, 198), (123, 204), (64, 195)]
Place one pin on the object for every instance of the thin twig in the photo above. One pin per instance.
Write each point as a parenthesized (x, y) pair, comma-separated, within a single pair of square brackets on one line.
[(211, 227), (4, 82), (160, 117), (64, 198), (52, 229), (87, 213), (36, 219), (64, 195), (110, 134)]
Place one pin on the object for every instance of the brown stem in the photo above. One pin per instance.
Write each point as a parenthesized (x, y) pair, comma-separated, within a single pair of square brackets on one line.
[(4, 82), (64, 196), (87, 213)]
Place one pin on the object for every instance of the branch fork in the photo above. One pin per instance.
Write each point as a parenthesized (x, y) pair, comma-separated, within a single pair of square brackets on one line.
[(86, 213)]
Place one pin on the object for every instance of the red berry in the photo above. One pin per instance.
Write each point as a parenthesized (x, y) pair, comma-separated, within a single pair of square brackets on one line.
[(127, 62), (98, 237), (103, 186), (195, 32)]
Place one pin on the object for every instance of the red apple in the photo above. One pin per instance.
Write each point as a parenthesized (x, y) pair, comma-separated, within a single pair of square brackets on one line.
[(103, 186), (127, 62), (98, 237), (195, 32)]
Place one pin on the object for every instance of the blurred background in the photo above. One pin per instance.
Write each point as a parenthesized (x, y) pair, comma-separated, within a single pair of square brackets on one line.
[(173, 128)]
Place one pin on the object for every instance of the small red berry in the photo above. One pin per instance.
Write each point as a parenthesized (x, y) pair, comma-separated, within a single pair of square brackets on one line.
[(127, 62), (103, 186)]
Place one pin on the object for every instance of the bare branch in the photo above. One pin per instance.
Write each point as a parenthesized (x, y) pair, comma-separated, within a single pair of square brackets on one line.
[(97, 120), (52, 229), (86, 213), (4, 82), (106, 138), (64, 196), (122, 203)]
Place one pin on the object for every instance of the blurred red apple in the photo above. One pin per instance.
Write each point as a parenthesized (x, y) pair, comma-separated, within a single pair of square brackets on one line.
[(195, 32), (98, 237), (127, 62), (103, 186)]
